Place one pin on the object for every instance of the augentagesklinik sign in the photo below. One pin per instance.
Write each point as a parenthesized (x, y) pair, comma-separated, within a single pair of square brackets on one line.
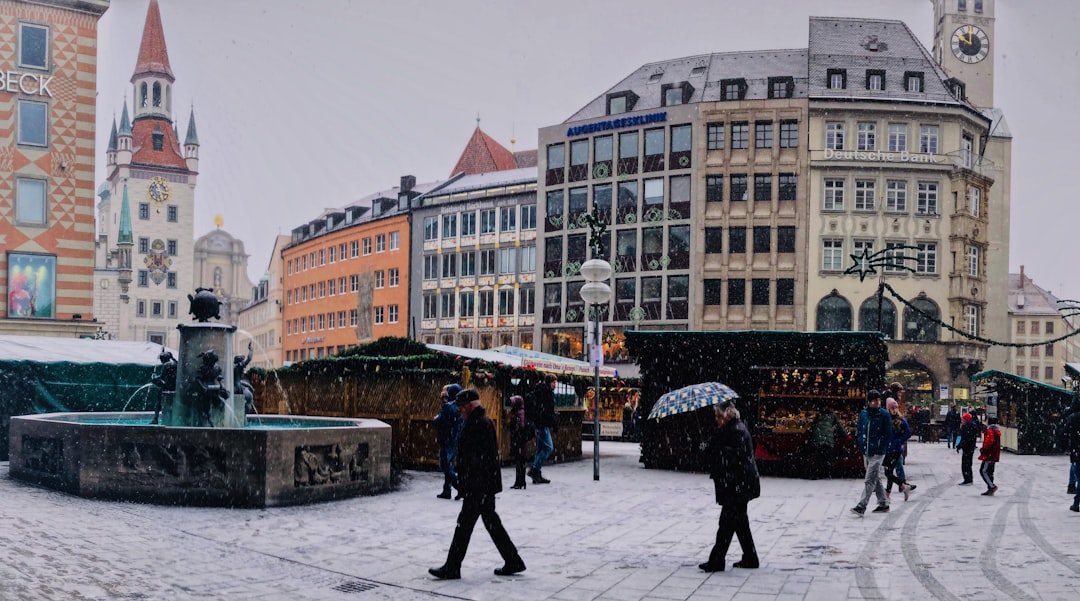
[(878, 155), (579, 130)]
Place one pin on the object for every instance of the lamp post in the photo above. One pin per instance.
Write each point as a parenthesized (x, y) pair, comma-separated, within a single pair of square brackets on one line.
[(596, 293)]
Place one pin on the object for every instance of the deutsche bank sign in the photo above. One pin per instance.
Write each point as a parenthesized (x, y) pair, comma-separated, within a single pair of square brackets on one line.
[(878, 155)]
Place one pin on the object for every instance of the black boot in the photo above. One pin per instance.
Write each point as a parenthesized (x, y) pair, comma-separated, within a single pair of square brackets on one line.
[(445, 572), (511, 567), (538, 477), (519, 477)]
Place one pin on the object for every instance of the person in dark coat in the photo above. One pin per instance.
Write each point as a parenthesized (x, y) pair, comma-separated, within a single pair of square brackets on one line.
[(734, 473), (824, 432), (872, 432), (544, 399), (1072, 438), (901, 432), (989, 455), (952, 425), (518, 438), (969, 432), (479, 480), (448, 423), (1072, 409)]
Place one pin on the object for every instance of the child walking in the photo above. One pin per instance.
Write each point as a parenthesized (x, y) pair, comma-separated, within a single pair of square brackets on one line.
[(990, 454)]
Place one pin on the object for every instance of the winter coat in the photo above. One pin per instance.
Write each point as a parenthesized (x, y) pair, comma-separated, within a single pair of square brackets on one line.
[(952, 420), (544, 398), (1072, 436), (732, 467), (991, 446), (826, 430), (968, 433), (874, 430), (519, 434), (448, 423), (477, 464), (901, 431)]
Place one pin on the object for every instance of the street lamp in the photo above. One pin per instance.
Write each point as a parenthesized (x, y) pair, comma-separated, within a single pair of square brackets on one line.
[(596, 293)]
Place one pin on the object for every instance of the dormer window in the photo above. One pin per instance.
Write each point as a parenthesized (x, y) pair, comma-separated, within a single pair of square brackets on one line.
[(781, 87), (913, 81), (957, 88), (673, 94), (697, 71), (875, 79), (733, 89), (158, 139), (837, 79), (655, 77), (621, 102)]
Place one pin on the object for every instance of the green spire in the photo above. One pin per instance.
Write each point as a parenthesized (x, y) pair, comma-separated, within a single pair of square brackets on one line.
[(192, 136), (125, 123), (112, 135), (124, 236)]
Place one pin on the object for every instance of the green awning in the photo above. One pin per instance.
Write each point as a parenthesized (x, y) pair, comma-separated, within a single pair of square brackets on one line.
[(993, 374)]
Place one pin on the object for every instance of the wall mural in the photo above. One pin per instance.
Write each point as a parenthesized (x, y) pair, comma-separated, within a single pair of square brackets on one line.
[(31, 286)]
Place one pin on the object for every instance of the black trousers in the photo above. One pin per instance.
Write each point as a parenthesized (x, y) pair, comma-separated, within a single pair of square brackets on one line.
[(890, 462), (733, 522), (476, 506), (965, 464)]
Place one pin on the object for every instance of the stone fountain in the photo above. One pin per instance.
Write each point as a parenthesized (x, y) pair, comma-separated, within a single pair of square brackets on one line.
[(201, 447)]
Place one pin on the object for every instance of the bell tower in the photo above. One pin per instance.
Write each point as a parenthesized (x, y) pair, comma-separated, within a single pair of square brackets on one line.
[(964, 45)]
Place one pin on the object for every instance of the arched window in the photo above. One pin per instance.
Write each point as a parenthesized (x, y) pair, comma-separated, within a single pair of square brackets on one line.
[(217, 278), (142, 94), (918, 328), (157, 94), (834, 314), (868, 316)]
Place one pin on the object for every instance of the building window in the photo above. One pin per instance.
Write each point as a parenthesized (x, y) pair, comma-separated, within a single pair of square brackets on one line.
[(928, 198), (834, 135), (30, 202), (836, 79), (1048, 351), (740, 135), (468, 264), (974, 201), (714, 188), (354, 317), (834, 314), (487, 303), (1034, 331), (961, 5), (875, 79), (380, 245), (781, 87), (622, 102), (354, 246), (528, 217), (759, 291), (508, 219), (170, 280), (431, 230), (832, 255), (715, 136), (331, 287), (449, 266), (897, 137), (556, 164), (785, 292), (506, 301), (140, 308), (788, 186), (732, 89), (865, 194), (431, 267), (785, 239), (737, 240), (763, 187), (528, 259), (913, 82), (394, 277), (487, 216), (333, 254), (466, 304), (579, 160), (834, 195), (395, 240), (928, 139), (33, 123), (1048, 327), (896, 196), (144, 211), (971, 320), (866, 136), (739, 183), (33, 46), (763, 134), (762, 239), (967, 150), (446, 305), (789, 133), (736, 292), (712, 291), (380, 281), (172, 215), (143, 278), (655, 141), (507, 260), (714, 240), (449, 231), (487, 259), (926, 257), (172, 309)]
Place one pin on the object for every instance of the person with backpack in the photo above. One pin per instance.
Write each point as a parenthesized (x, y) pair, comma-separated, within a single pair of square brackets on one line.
[(543, 403), (448, 424)]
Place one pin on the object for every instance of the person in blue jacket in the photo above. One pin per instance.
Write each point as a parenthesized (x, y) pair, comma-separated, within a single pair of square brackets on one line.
[(872, 435), (894, 459), (448, 423)]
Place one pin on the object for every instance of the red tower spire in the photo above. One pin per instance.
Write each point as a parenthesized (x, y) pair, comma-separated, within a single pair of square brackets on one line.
[(153, 55)]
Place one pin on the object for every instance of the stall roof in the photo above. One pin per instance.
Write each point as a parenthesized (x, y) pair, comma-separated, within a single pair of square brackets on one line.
[(1073, 369), (993, 373), (518, 357), (43, 349)]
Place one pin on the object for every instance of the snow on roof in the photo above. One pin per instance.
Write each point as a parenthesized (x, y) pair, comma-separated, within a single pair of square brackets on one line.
[(43, 349)]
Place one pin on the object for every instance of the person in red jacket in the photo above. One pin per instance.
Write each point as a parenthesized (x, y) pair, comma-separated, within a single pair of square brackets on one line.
[(990, 454)]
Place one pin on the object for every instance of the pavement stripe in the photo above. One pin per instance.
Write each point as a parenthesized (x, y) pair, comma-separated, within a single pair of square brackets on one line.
[(988, 557), (1033, 533), (909, 536)]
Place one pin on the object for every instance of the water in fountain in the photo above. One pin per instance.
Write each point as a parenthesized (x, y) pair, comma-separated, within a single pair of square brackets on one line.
[(261, 350)]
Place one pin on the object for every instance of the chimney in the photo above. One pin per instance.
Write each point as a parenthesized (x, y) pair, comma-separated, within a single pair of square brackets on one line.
[(408, 182)]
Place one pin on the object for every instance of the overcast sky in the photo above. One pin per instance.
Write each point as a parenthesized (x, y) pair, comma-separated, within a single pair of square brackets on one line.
[(307, 104)]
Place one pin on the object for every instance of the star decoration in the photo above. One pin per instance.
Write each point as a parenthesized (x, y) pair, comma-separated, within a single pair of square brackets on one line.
[(863, 264)]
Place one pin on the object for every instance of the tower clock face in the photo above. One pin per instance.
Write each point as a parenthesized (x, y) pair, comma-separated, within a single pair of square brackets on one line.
[(970, 44), (158, 190)]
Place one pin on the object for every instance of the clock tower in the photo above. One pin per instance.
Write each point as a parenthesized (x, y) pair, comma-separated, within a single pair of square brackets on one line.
[(964, 45)]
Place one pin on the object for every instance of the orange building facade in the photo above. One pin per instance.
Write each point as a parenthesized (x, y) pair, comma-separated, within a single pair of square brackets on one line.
[(345, 282)]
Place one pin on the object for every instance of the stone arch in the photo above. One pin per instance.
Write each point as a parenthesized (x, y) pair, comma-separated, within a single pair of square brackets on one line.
[(868, 316), (834, 314), (157, 94), (918, 328)]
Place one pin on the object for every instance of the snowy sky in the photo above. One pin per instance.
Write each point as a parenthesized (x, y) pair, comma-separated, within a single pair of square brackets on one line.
[(307, 104)]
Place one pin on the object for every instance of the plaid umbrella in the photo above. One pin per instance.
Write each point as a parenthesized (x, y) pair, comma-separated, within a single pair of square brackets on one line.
[(691, 398)]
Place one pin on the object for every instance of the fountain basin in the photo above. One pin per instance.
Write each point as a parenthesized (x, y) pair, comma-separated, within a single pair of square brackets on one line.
[(274, 461)]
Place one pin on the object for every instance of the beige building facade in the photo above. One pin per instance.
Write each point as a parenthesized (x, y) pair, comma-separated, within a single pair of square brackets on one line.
[(261, 318), (220, 264)]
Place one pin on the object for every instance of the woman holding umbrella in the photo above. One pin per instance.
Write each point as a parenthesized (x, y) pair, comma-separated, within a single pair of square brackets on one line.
[(730, 454)]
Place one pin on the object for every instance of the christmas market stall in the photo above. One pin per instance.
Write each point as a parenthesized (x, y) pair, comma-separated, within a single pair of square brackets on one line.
[(787, 383), (1028, 412)]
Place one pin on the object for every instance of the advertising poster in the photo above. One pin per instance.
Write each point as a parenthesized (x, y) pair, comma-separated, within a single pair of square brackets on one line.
[(31, 286)]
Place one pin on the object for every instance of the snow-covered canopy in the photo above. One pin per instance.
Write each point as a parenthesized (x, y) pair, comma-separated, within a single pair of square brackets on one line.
[(42, 349)]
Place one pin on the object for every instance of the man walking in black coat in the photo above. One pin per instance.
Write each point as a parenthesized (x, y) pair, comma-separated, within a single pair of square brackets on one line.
[(544, 406), (952, 425), (969, 432), (479, 480), (735, 477)]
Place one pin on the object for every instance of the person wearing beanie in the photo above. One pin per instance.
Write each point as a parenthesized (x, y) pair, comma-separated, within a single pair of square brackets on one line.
[(480, 479), (969, 432), (873, 432), (989, 455), (901, 431), (448, 425)]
